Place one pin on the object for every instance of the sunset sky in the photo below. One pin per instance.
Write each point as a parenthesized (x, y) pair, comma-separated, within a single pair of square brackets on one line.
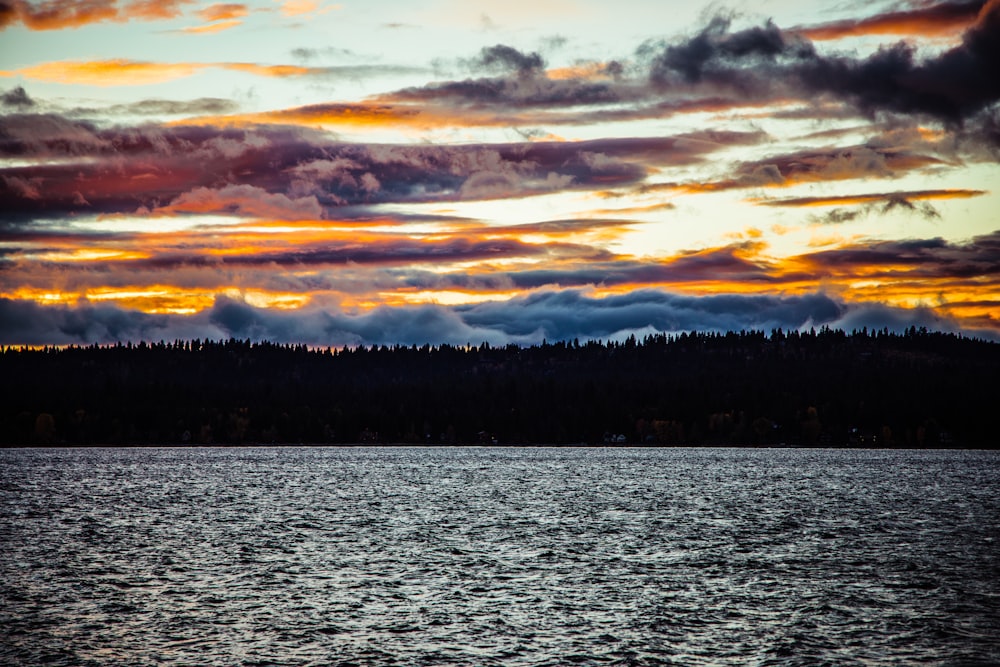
[(447, 171)]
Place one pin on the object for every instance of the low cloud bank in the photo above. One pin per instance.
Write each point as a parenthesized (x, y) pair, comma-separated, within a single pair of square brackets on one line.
[(552, 316)]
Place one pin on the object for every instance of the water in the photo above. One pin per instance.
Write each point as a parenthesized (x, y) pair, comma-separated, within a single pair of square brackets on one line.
[(341, 556)]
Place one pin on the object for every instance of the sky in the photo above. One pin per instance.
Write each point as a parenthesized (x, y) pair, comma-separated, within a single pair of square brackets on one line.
[(499, 171)]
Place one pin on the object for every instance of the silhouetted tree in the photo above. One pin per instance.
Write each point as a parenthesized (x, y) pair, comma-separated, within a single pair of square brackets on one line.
[(822, 387)]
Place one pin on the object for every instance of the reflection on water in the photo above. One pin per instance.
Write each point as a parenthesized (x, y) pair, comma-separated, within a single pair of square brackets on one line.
[(317, 556)]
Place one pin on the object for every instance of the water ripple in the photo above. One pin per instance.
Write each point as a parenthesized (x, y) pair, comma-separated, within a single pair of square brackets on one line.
[(327, 556)]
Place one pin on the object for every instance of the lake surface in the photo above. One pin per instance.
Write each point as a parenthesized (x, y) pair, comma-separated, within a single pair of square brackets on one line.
[(496, 556)]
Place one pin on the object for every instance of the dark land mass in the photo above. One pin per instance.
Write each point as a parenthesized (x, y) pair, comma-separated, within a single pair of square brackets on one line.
[(825, 388)]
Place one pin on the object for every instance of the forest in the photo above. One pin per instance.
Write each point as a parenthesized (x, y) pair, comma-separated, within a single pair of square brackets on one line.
[(825, 388)]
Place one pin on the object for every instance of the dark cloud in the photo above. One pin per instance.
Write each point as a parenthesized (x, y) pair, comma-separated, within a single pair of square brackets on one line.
[(723, 68), (506, 58), (877, 316), (390, 252), (922, 208), (953, 86), (154, 107), (554, 42), (715, 52), (872, 197), (125, 169), (852, 207), (978, 259), (870, 160), (362, 72), (519, 92), (730, 263), (26, 322), (306, 54), (558, 315), (841, 215), (519, 80), (570, 314), (16, 97), (202, 105), (8, 14)]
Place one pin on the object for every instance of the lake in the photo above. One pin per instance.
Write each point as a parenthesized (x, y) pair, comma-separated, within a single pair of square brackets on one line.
[(498, 556)]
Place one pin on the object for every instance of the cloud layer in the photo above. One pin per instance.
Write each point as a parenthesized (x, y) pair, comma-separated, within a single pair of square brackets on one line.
[(563, 315), (735, 176)]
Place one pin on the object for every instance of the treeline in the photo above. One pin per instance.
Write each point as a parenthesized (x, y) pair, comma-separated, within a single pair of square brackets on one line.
[(816, 388)]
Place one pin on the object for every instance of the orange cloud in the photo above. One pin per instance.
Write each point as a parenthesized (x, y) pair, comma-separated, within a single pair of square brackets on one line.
[(223, 12), (947, 19), (162, 298), (397, 113), (210, 28), (61, 14), (218, 17), (122, 72), (303, 7), (268, 70), (321, 115), (463, 262), (592, 71), (633, 210), (117, 72), (153, 10)]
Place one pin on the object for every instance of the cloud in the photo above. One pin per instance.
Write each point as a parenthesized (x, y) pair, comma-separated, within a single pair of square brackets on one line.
[(506, 58), (556, 315), (761, 62), (61, 325), (156, 107), (115, 72), (917, 260), (594, 71), (296, 8), (120, 169), (522, 82), (569, 314), (124, 72), (277, 71), (211, 28), (223, 12), (816, 165), (942, 19), (307, 54), (869, 198), (61, 14), (881, 202), (181, 270), (244, 200), (721, 268), (716, 51), (876, 316), (889, 204), (26, 187), (953, 86), (16, 97), (719, 69), (353, 251)]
